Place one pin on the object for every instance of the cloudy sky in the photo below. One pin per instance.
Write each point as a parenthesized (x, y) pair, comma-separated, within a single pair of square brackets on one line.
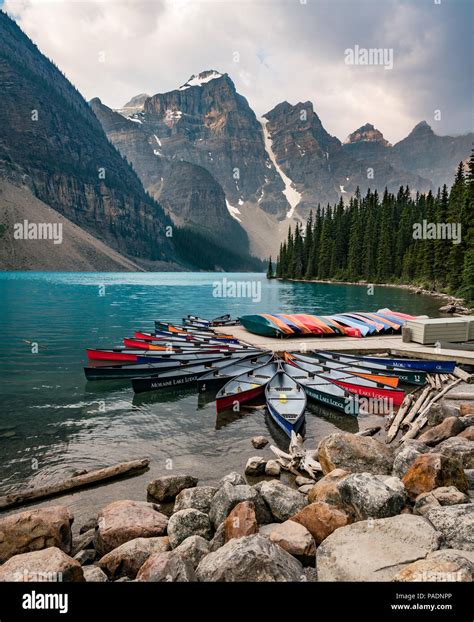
[(274, 50)]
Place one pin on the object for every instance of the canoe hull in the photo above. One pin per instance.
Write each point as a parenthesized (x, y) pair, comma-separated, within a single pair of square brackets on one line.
[(283, 423), (228, 401), (344, 405)]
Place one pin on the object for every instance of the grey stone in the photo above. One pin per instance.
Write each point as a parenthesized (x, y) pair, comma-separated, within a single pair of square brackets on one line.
[(193, 549), (255, 466), (50, 564), (187, 523), (251, 558), (128, 558), (86, 556), (229, 496), (219, 538), (460, 448), (456, 524), (375, 549), (83, 541), (198, 498), (373, 496), (469, 473), (272, 468), (282, 500), (166, 488), (167, 567), (234, 478), (93, 574), (259, 442), (406, 456)]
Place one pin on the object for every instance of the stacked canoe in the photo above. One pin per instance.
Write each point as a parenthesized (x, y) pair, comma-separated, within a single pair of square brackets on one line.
[(351, 324), (193, 355)]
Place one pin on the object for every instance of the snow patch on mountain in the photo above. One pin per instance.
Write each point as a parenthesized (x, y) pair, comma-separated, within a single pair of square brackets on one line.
[(233, 211), (200, 79), (292, 195)]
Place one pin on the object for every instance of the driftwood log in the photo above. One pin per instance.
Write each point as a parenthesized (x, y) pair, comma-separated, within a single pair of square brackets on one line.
[(416, 406), (421, 420), (402, 411), (369, 431), (463, 375), (73, 483), (297, 459)]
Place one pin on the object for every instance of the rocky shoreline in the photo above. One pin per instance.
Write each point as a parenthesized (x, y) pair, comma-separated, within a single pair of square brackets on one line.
[(374, 513)]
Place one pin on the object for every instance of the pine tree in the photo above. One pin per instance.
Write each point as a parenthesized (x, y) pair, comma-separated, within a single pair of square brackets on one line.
[(456, 217), (270, 274)]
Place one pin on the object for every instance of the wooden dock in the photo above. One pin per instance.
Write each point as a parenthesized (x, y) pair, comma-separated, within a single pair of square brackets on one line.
[(386, 343)]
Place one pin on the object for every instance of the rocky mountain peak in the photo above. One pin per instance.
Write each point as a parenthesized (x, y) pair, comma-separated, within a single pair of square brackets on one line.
[(202, 78), (366, 133), (421, 128), (134, 105)]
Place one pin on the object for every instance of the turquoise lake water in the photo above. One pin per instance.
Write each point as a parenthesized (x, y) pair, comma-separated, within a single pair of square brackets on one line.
[(53, 422)]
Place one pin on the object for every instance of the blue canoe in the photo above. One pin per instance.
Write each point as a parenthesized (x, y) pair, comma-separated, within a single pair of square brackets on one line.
[(286, 402), (431, 367)]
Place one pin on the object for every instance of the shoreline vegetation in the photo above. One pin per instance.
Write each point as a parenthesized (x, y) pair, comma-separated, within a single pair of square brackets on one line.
[(330, 522), (424, 241)]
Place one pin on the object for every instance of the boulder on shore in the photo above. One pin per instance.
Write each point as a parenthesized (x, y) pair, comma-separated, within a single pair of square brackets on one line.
[(93, 574), (259, 442), (282, 500), (166, 488), (198, 498), (121, 521), (458, 448), (434, 470), (354, 453), (321, 519), (406, 456), (327, 488), (127, 559), (251, 558), (436, 570), (296, 540), (193, 549), (33, 530), (187, 523), (375, 550), (372, 496), (273, 468), (167, 567), (242, 521), (49, 564), (456, 524), (234, 478), (451, 426), (228, 496), (255, 466)]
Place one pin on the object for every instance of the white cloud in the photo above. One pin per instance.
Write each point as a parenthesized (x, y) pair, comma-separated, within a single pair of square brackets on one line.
[(284, 51)]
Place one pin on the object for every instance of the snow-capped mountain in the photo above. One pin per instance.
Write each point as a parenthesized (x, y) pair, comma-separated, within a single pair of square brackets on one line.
[(272, 170)]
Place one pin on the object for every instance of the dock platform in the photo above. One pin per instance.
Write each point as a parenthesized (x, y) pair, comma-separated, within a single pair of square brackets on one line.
[(392, 344)]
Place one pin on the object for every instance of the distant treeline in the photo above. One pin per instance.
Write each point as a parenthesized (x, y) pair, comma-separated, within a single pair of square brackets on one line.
[(390, 239)]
